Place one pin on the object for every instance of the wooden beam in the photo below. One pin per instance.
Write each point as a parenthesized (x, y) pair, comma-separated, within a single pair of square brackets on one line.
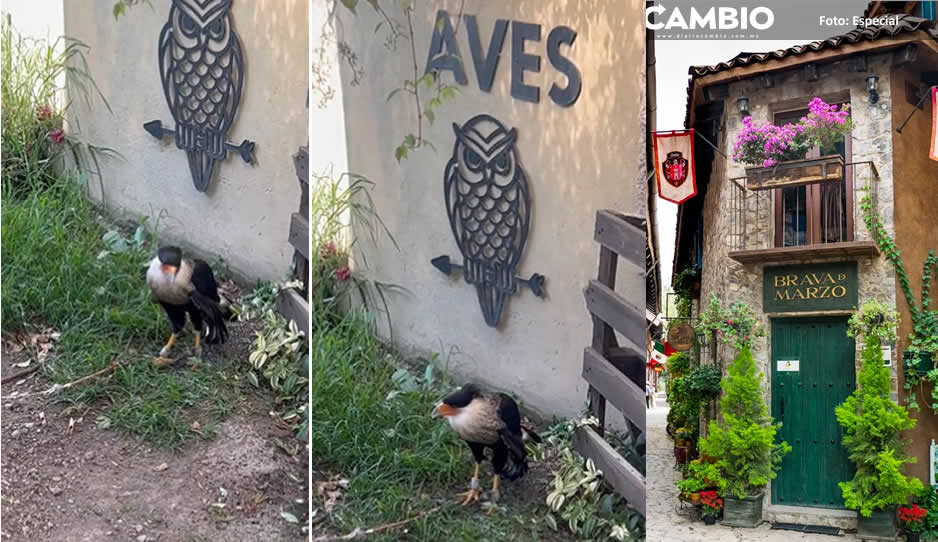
[(615, 233), (804, 252), (299, 234), (615, 387), (291, 305), (615, 310), (621, 475)]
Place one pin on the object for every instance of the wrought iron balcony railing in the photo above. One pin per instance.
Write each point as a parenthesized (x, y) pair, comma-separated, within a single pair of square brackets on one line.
[(792, 219)]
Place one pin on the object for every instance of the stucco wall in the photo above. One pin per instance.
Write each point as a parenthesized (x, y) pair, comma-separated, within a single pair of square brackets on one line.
[(732, 281), (916, 199), (244, 217), (578, 159)]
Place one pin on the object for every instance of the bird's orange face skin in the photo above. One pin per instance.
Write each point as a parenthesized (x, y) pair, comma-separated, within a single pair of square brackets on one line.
[(169, 269), (445, 410)]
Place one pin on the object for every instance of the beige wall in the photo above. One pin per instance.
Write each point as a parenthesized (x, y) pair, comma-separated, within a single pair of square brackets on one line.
[(916, 196), (577, 160), (244, 217)]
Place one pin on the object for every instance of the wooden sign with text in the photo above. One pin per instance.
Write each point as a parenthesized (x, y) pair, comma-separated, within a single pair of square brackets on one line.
[(810, 287)]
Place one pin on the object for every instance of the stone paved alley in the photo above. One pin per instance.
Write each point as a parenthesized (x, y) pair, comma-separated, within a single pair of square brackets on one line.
[(667, 523)]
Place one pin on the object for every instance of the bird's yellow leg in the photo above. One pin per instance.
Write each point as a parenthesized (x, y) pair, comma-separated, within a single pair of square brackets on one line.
[(163, 359), (495, 483), (168, 346), (471, 496), (198, 343)]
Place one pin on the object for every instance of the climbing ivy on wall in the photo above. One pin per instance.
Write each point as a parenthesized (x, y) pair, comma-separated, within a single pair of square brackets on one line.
[(924, 336), (427, 91)]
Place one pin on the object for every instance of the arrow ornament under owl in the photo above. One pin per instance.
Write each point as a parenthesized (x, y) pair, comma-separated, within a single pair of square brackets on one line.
[(202, 71), (489, 209)]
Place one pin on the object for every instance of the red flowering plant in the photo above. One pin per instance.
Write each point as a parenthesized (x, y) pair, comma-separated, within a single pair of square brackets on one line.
[(913, 518), (342, 215), (36, 150), (763, 144), (711, 503)]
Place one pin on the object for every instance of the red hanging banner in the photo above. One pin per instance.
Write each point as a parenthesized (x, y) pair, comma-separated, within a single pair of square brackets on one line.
[(933, 150), (674, 165)]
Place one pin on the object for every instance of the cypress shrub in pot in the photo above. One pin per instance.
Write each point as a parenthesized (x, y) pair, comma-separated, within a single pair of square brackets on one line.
[(873, 424), (744, 442)]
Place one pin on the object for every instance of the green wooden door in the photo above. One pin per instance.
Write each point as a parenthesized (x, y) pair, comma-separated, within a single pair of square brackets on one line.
[(817, 372)]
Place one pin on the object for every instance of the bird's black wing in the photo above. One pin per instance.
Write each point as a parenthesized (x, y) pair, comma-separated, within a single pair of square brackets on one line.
[(511, 433), (204, 295), (204, 280)]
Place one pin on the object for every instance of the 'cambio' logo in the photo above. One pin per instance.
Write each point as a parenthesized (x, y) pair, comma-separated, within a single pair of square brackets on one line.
[(715, 18)]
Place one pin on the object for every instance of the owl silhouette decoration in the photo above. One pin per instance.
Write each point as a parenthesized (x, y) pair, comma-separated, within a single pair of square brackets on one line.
[(489, 207), (202, 71)]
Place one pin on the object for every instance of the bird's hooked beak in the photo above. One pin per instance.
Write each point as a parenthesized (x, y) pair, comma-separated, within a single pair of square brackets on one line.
[(442, 409)]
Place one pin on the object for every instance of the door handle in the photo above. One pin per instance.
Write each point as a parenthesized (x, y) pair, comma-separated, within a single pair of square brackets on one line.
[(781, 413)]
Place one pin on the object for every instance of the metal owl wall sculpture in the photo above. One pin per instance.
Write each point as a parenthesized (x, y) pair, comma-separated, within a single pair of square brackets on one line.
[(202, 70), (489, 208)]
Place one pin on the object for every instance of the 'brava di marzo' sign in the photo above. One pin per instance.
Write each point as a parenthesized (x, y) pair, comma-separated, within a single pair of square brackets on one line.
[(445, 55)]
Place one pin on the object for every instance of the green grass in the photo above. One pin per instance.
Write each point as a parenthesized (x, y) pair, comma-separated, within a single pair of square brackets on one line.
[(399, 461), (52, 275)]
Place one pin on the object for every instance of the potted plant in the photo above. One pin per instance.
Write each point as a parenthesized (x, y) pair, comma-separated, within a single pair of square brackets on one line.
[(913, 521), (777, 153), (711, 504), (744, 442), (873, 424)]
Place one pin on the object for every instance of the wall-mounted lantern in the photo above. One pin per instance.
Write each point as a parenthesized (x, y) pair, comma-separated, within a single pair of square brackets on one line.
[(742, 105), (872, 86)]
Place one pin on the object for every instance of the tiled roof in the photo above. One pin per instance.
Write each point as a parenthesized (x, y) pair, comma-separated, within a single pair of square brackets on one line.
[(907, 23)]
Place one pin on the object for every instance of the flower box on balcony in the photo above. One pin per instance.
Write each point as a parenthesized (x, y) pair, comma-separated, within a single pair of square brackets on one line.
[(796, 172)]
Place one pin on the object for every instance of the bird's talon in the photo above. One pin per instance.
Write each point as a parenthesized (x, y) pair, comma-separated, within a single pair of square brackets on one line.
[(162, 361), (469, 497)]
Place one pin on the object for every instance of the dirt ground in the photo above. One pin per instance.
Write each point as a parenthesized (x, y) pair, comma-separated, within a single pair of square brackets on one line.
[(92, 484)]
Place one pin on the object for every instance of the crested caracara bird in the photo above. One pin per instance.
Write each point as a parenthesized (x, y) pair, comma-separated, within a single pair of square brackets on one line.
[(183, 286), (488, 420)]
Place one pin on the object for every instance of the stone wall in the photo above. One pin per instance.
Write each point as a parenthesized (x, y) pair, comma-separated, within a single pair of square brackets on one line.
[(732, 281)]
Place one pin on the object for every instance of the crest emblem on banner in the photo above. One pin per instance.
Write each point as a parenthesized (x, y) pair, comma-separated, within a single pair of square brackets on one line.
[(674, 160), (675, 168)]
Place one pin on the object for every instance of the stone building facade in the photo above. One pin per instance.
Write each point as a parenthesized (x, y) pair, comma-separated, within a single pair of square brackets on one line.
[(734, 234)]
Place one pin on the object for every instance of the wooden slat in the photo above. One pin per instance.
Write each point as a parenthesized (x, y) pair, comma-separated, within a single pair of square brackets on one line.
[(292, 306), (624, 316), (301, 164), (299, 234), (624, 394), (618, 235), (620, 474)]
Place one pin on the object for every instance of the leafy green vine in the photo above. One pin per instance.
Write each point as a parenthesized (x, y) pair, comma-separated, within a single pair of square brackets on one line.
[(737, 325), (425, 105), (924, 336)]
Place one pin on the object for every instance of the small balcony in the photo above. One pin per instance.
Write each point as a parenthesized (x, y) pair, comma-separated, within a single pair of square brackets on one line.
[(801, 211)]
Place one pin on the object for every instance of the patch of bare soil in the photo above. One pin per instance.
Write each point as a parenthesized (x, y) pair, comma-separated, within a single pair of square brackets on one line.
[(88, 484)]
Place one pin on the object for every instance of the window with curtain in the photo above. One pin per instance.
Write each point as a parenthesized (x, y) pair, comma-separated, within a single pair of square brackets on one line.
[(815, 213)]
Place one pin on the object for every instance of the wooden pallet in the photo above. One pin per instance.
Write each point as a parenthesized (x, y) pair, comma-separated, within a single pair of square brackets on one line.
[(616, 372)]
